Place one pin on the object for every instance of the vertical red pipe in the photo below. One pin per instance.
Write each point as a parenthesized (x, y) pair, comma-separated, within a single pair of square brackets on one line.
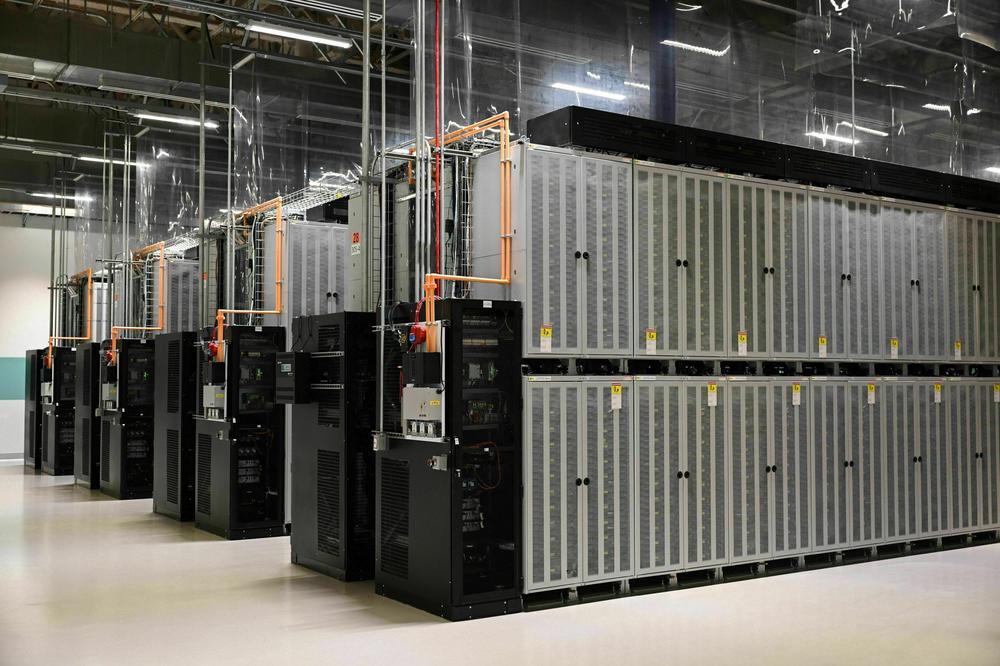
[(438, 158)]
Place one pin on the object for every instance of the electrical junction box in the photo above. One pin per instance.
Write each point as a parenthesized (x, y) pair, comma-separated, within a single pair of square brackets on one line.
[(423, 411), (291, 377), (213, 399)]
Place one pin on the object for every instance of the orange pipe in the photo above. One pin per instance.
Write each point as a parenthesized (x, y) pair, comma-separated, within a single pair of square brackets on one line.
[(90, 317), (500, 120), (279, 234), (161, 304)]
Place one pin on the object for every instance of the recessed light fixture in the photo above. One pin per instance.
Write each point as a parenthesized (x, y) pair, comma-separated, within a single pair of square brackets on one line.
[(833, 137), (177, 120), (718, 53), (580, 90), (301, 35)]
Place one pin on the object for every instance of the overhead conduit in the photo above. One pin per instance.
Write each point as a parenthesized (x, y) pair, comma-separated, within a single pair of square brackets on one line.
[(500, 121), (161, 300), (279, 234), (90, 318)]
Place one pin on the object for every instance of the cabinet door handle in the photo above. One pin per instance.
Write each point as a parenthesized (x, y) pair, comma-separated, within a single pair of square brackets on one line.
[(765, 270), (847, 463), (914, 459), (687, 475), (679, 262), (586, 255), (852, 463), (586, 481), (848, 277), (771, 270), (680, 475), (920, 459), (579, 482), (768, 469), (685, 263), (774, 469), (579, 254), (843, 276)]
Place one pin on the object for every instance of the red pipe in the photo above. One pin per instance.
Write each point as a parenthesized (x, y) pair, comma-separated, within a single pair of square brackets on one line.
[(438, 158)]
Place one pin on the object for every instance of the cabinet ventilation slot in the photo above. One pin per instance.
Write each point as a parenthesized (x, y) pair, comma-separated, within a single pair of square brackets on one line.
[(173, 462), (329, 338), (105, 452), (204, 499), (328, 510), (329, 411), (394, 537), (85, 437), (174, 376)]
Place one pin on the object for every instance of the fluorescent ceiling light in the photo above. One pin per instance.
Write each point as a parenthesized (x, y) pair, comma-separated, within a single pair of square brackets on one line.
[(162, 153), (832, 137), (972, 112), (301, 35), (596, 77), (866, 130), (580, 90), (938, 107), (685, 7), (177, 120), (36, 209), (637, 84), (50, 195), (995, 170), (335, 9), (49, 153), (104, 160), (718, 53)]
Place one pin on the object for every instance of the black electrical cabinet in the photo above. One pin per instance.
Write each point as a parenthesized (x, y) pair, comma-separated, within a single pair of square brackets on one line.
[(127, 399), (87, 433), (58, 405), (176, 372), (33, 359), (448, 505), (239, 446), (329, 379)]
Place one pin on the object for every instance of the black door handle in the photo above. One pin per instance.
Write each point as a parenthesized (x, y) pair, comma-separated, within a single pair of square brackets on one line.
[(774, 469), (687, 475), (847, 463), (771, 270), (914, 459), (918, 283), (679, 262), (913, 283), (586, 481), (765, 270), (920, 459), (680, 475), (848, 277), (768, 469), (852, 463), (579, 254), (685, 263), (843, 276), (586, 255), (579, 482)]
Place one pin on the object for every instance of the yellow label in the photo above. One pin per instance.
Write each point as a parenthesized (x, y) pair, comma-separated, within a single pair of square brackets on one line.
[(796, 388), (546, 331), (220, 396), (822, 340), (651, 335), (871, 388), (958, 345), (711, 388), (742, 338), (616, 389), (435, 403), (937, 388), (996, 387), (894, 342)]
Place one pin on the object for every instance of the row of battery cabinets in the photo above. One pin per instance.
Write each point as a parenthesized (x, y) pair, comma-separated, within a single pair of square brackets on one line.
[(630, 258), (627, 478)]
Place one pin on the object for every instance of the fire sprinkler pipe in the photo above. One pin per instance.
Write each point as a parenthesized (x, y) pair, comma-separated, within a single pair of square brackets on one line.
[(431, 279), (89, 273), (161, 299), (279, 234)]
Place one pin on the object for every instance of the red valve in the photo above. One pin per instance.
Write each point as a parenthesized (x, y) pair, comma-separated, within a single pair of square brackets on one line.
[(418, 333), (213, 348), (108, 357)]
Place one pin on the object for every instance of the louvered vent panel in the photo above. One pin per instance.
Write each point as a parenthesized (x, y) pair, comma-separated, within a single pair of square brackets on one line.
[(328, 510), (329, 412), (394, 526), (174, 376), (173, 463), (175, 305), (204, 493), (85, 398), (329, 338), (87, 444), (105, 452)]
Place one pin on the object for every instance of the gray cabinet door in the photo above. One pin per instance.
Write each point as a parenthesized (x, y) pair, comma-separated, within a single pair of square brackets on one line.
[(863, 278), (899, 434), (898, 280), (660, 450), (929, 294), (866, 467), (552, 499), (790, 468), (703, 266), (988, 290), (827, 228), (607, 467), (552, 203), (788, 273), (960, 245), (984, 457), (962, 494), (932, 454), (659, 270), (751, 427), (606, 260), (749, 268), (831, 464), (705, 474)]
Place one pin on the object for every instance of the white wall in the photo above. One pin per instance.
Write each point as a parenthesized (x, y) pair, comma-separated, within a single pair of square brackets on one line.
[(24, 313)]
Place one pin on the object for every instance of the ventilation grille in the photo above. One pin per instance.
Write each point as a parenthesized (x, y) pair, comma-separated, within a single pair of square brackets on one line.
[(105, 452), (329, 338), (328, 510), (173, 462), (329, 412), (45, 438), (394, 527), (88, 382), (826, 168), (359, 508), (174, 376), (86, 445), (738, 154), (204, 499)]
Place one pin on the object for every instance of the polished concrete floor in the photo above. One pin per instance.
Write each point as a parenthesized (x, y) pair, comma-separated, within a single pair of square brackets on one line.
[(88, 580)]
